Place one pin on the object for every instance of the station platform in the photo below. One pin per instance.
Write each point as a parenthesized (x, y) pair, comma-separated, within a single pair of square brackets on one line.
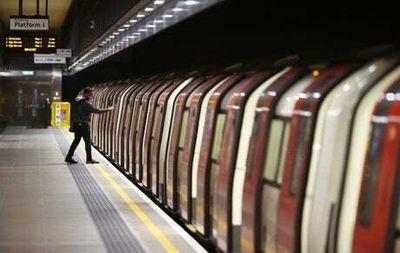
[(47, 205)]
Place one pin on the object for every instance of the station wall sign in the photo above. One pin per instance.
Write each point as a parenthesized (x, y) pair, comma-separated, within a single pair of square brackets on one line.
[(49, 59), (66, 52), (29, 24)]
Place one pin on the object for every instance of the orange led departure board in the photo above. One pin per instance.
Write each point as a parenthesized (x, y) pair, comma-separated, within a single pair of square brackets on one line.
[(36, 44)]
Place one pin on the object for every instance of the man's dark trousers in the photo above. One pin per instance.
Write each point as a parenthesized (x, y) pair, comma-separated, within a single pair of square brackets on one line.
[(81, 129)]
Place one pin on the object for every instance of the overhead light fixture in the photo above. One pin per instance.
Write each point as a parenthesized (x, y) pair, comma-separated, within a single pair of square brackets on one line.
[(28, 73), (191, 2), (165, 16)]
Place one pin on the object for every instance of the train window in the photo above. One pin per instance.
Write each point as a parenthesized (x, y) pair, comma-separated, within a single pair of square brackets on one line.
[(303, 136), (282, 158), (156, 119), (274, 150), (183, 128), (371, 167), (216, 149), (139, 117)]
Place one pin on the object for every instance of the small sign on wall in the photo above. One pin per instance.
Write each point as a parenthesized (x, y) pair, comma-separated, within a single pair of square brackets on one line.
[(29, 24), (49, 59)]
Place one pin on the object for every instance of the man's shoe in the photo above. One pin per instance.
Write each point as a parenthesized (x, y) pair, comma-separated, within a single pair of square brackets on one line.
[(92, 162), (70, 160)]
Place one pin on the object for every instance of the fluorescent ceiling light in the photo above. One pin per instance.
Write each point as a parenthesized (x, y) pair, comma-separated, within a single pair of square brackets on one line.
[(140, 15), (191, 2), (121, 30), (168, 16), (151, 26), (28, 73), (158, 21), (127, 25), (158, 2), (149, 9), (177, 9), (133, 20)]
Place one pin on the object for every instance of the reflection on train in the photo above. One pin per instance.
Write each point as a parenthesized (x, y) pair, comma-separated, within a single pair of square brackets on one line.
[(289, 158)]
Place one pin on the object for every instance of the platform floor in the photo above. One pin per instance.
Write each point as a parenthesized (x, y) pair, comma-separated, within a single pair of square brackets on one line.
[(49, 206)]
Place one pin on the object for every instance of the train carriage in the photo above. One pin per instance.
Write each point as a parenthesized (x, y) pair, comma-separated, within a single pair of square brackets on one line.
[(361, 129), (162, 121), (224, 157), (115, 117), (120, 123), (104, 119), (125, 124), (145, 121), (327, 159), (195, 106), (202, 155), (247, 184), (172, 156), (298, 154), (151, 122)]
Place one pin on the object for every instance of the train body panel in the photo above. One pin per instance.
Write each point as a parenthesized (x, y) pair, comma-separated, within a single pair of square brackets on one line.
[(173, 144), (358, 149), (141, 131), (375, 228), (328, 156), (148, 134), (224, 165), (203, 215), (187, 167)]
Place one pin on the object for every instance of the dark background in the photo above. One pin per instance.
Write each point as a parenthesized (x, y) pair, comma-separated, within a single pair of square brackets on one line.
[(237, 31)]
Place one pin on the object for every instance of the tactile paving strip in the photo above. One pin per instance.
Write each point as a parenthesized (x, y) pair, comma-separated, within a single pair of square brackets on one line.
[(113, 230)]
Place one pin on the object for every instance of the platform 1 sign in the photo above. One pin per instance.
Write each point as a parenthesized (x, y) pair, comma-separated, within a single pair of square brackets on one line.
[(29, 24), (49, 59)]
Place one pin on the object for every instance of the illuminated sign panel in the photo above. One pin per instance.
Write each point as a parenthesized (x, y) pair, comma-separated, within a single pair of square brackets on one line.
[(29, 24), (37, 44)]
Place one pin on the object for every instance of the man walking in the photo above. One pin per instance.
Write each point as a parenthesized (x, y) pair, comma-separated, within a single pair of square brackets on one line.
[(81, 116)]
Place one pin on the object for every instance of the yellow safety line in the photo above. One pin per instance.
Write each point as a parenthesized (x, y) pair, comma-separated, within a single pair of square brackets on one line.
[(168, 246), (138, 211)]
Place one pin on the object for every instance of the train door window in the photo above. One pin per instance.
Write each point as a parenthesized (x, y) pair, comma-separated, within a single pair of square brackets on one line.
[(282, 159), (371, 167), (183, 128), (156, 119), (274, 149), (216, 149), (302, 137), (139, 117)]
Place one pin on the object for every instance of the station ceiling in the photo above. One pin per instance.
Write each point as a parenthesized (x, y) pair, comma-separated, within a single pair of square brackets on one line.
[(57, 10)]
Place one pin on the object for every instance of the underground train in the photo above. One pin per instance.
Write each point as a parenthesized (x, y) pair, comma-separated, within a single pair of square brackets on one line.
[(288, 157)]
